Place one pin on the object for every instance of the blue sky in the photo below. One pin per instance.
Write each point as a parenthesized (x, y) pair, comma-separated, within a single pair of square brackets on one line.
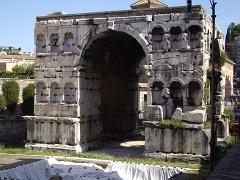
[(17, 17)]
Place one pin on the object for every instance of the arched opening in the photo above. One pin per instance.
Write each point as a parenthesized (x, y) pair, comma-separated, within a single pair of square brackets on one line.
[(69, 93), (157, 98), (176, 94), (68, 42), (194, 36), (55, 93), (54, 46), (157, 38), (110, 69), (41, 93), (40, 43), (194, 94), (176, 38)]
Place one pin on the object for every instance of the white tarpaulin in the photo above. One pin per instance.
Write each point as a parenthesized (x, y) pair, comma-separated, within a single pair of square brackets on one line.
[(44, 169), (129, 171)]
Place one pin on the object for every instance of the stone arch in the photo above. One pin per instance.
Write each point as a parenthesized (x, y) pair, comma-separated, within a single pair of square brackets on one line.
[(152, 80), (194, 93), (70, 93), (157, 89), (41, 92), (157, 38), (68, 42), (194, 37), (176, 93), (55, 93), (131, 31), (176, 80), (54, 42), (40, 43), (176, 24), (158, 25), (176, 37), (109, 75)]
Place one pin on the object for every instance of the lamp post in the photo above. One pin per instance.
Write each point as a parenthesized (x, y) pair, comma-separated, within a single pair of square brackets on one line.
[(214, 84), (189, 6)]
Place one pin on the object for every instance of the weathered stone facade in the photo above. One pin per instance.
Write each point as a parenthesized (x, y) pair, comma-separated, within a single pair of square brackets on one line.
[(88, 68)]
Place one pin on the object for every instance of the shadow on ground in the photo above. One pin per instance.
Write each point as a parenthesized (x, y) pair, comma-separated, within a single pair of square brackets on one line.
[(7, 162), (133, 147)]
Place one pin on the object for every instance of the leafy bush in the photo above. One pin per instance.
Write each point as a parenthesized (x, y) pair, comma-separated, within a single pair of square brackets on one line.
[(25, 69), (10, 91), (2, 103), (28, 100), (230, 114)]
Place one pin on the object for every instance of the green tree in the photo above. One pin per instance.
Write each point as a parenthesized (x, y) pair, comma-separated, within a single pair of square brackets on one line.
[(232, 32), (10, 91), (223, 58), (19, 69), (235, 31), (26, 70), (28, 100), (2, 103)]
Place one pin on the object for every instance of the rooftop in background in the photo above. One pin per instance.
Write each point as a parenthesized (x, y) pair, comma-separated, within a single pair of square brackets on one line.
[(20, 56), (148, 4)]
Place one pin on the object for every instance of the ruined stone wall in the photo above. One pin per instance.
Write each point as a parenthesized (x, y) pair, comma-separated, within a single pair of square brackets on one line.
[(13, 129), (185, 140)]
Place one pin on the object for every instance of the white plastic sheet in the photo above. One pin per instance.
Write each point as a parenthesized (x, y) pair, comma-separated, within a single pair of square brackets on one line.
[(44, 169), (129, 171)]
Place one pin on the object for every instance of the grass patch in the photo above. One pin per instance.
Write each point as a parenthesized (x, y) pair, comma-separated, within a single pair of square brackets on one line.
[(207, 125), (101, 156), (173, 123)]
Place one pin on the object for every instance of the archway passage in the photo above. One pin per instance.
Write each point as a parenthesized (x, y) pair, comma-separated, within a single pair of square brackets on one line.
[(111, 69)]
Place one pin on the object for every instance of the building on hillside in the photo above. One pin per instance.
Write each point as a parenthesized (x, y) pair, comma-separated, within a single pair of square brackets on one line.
[(228, 70), (87, 77), (233, 51), (7, 62)]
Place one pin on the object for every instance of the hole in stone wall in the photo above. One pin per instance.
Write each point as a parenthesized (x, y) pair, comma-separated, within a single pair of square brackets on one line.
[(176, 94), (40, 43), (194, 36), (55, 94), (157, 38), (54, 43), (157, 88), (68, 42), (41, 93), (176, 37), (194, 94)]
